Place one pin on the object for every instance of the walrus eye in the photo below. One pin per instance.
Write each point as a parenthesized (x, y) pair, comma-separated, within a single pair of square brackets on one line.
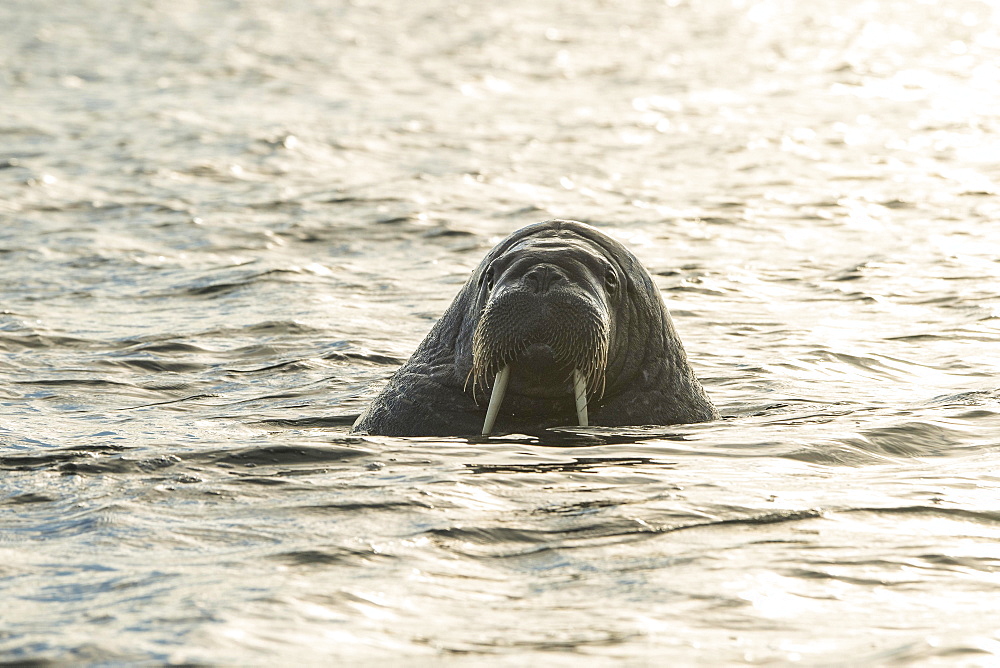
[(611, 280), (489, 281)]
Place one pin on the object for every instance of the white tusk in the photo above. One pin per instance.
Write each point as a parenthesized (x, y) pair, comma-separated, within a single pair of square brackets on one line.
[(580, 390), (499, 389)]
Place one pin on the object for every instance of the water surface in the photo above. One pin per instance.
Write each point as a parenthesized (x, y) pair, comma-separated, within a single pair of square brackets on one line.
[(224, 225)]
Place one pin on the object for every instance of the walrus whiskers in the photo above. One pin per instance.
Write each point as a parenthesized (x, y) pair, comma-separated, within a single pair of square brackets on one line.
[(499, 389)]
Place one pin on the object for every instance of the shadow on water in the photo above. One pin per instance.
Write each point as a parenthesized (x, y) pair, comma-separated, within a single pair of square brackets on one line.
[(579, 464), (574, 437)]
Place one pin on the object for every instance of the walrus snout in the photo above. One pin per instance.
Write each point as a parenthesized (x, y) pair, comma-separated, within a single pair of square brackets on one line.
[(552, 331)]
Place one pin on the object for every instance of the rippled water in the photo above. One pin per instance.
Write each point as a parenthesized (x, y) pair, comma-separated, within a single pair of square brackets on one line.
[(225, 223)]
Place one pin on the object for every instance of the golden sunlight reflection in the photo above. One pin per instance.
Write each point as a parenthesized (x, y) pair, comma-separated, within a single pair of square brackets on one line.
[(773, 595)]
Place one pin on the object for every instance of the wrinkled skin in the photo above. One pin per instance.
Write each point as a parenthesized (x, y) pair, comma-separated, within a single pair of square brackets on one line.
[(549, 298)]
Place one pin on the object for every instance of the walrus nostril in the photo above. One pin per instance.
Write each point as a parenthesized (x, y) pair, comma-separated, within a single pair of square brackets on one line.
[(540, 277)]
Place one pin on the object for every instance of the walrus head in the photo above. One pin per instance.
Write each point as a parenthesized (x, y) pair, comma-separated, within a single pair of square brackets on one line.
[(547, 322), (559, 318)]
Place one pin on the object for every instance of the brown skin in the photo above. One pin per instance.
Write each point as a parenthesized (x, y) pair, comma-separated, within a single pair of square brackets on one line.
[(548, 298)]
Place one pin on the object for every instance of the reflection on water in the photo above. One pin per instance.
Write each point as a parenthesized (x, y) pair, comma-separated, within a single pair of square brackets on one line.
[(224, 225)]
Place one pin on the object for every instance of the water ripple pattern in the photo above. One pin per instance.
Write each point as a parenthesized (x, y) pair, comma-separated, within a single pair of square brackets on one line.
[(224, 224)]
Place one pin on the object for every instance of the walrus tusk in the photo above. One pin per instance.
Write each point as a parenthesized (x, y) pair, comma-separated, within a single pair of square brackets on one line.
[(580, 391), (499, 389)]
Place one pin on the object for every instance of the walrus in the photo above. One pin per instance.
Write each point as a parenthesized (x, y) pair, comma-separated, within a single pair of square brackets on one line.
[(559, 325)]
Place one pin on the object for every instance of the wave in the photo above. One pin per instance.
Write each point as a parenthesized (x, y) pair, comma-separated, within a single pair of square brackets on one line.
[(123, 459)]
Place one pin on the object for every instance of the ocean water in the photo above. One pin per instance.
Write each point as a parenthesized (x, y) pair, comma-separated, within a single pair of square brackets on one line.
[(223, 224)]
